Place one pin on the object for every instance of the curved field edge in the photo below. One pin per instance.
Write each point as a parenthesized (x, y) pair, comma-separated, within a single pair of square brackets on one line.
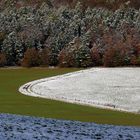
[(32, 89), (13, 102)]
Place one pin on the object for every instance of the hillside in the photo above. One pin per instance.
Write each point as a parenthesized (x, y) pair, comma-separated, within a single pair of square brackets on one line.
[(70, 33), (111, 4)]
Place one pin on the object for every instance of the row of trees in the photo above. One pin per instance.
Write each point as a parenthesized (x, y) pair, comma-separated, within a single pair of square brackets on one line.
[(78, 55), (77, 37), (110, 4)]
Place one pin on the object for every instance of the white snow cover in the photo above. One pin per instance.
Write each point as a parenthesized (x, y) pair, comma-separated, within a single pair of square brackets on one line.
[(114, 88), (16, 127)]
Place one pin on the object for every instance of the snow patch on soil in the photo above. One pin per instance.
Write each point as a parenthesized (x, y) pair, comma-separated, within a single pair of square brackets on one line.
[(16, 127), (114, 88)]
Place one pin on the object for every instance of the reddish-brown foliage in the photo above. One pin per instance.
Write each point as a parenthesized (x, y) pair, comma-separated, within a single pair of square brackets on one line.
[(100, 3), (66, 58), (115, 56), (96, 56), (3, 60), (57, 3), (44, 56), (31, 58), (135, 58)]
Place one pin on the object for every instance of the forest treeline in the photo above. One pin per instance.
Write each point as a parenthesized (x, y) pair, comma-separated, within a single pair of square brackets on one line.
[(70, 33), (110, 4)]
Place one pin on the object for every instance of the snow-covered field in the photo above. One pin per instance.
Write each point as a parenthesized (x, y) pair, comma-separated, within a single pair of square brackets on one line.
[(115, 88), (16, 127)]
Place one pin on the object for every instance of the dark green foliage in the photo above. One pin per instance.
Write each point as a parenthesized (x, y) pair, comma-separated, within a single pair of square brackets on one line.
[(75, 55), (83, 57), (24, 25)]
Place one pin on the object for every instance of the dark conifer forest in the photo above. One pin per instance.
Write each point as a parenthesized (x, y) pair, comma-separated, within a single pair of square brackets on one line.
[(69, 33)]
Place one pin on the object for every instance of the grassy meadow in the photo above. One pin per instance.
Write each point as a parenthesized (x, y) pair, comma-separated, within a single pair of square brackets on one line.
[(11, 101)]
